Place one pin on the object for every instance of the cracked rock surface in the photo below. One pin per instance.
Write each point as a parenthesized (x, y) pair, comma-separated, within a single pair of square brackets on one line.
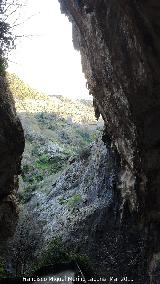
[(120, 48)]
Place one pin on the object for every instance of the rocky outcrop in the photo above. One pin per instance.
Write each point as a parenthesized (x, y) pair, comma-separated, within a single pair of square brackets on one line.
[(11, 149), (74, 205), (119, 44), (87, 185), (84, 208)]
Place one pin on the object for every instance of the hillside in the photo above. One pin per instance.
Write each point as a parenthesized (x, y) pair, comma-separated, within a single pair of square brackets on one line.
[(31, 101), (56, 129)]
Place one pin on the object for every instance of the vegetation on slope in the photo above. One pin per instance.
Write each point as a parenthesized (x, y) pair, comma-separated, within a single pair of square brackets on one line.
[(21, 90), (31, 101), (57, 131)]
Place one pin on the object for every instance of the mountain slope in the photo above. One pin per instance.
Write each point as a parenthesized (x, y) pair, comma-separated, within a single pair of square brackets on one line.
[(56, 129)]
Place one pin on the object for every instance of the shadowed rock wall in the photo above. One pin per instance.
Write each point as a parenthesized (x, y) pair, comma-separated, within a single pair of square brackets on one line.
[(120, 48), (11, 149)]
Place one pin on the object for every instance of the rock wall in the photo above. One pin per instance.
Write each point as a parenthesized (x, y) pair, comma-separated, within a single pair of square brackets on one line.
[(71, 207), (11, 149), (120, 49)]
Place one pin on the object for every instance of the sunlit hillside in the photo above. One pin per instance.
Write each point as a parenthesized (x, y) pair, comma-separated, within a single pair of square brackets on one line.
[(57, 131), (31, 101)]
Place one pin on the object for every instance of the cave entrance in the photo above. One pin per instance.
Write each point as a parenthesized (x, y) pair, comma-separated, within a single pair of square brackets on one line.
[(57, 115), (52, 101)]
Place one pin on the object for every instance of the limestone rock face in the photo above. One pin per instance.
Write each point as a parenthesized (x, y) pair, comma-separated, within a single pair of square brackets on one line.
[(86, 186), (75, 206), (120, 48), (11, 149)]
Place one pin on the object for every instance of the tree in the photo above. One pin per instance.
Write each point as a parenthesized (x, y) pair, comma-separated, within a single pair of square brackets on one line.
[(6, 38)]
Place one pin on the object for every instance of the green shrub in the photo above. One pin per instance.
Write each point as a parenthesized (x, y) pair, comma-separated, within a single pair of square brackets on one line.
[(82, 260), (35, 150), (25, 169), (3, 273), (74, 201), (84, 135), (31, 175), (58, 253), (53, 165), (62, 200), (27, 194), (43, 118), (43, 162)]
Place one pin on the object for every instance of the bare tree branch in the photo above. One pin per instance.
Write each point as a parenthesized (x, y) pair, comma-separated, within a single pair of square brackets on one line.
[(13, 26)]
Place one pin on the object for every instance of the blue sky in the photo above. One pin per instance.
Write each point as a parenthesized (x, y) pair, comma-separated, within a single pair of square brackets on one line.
[(46, 60)]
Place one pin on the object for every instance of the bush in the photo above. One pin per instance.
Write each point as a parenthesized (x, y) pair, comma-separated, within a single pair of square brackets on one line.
[(43, 162), (84, 135), (53, 165), (64, 137), (30, 174), (25, 169), (3, 273), (55, 254), (27, 194), (58, 253), (75, 201)]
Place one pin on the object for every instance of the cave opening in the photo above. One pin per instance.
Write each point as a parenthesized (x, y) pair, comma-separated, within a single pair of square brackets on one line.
[(60, 131), (82, 203)]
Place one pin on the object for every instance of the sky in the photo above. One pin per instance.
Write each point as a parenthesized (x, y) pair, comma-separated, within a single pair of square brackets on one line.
[(45, 58)]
